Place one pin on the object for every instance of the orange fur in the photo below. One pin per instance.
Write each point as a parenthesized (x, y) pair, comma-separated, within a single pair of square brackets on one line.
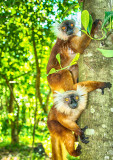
[(62, 119), (67, 50), (61, 124)]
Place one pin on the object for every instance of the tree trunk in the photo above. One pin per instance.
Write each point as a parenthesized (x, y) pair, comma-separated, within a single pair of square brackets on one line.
[(14, 126), (99, 113)]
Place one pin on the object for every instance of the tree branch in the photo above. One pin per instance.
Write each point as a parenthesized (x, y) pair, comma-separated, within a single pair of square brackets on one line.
[(37, 90), (21, 75), (11, 90), (47, 101), (38, 73)]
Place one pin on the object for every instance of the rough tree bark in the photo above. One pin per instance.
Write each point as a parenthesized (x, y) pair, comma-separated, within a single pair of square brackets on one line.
[(99, 113)]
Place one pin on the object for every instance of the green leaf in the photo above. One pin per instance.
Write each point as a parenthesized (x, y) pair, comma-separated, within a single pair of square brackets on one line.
[(109, 13), (108, 18), (106, 53), (90, 24), (58, 57), (85, 19), (75, 59), (53, 70)]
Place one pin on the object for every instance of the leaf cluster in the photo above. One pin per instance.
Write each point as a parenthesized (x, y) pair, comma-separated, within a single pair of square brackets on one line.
[(107, 25)]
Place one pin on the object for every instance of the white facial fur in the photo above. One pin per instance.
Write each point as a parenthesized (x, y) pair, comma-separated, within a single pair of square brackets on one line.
[(63, 107), (60, 34)]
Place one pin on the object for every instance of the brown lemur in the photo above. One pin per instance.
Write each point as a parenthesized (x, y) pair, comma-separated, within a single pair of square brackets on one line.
[(70, 104)]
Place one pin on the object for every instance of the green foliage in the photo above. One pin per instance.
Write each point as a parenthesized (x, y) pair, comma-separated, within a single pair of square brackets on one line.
[(53, 70), (72, 158), (108, 21), (106, 53), (20, 152), (85, 19), (107, 26), (58, 59), (24, 25), (74, 61), (90, 24)]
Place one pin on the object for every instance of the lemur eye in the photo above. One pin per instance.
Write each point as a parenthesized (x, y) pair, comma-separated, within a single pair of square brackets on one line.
[(77, 98), (71, 24), (67, 99), (63, 28)]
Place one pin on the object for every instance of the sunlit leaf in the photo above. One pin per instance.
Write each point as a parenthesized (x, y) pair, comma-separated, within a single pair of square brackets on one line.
[(106, 53), (85, 19), (74, 61), (53, 70), (58, 57)]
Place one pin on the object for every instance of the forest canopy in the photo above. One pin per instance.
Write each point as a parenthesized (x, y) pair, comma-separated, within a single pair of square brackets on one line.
[(26, 39)]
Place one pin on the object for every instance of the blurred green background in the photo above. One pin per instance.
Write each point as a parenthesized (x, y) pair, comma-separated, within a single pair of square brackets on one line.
[(26, 40)]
